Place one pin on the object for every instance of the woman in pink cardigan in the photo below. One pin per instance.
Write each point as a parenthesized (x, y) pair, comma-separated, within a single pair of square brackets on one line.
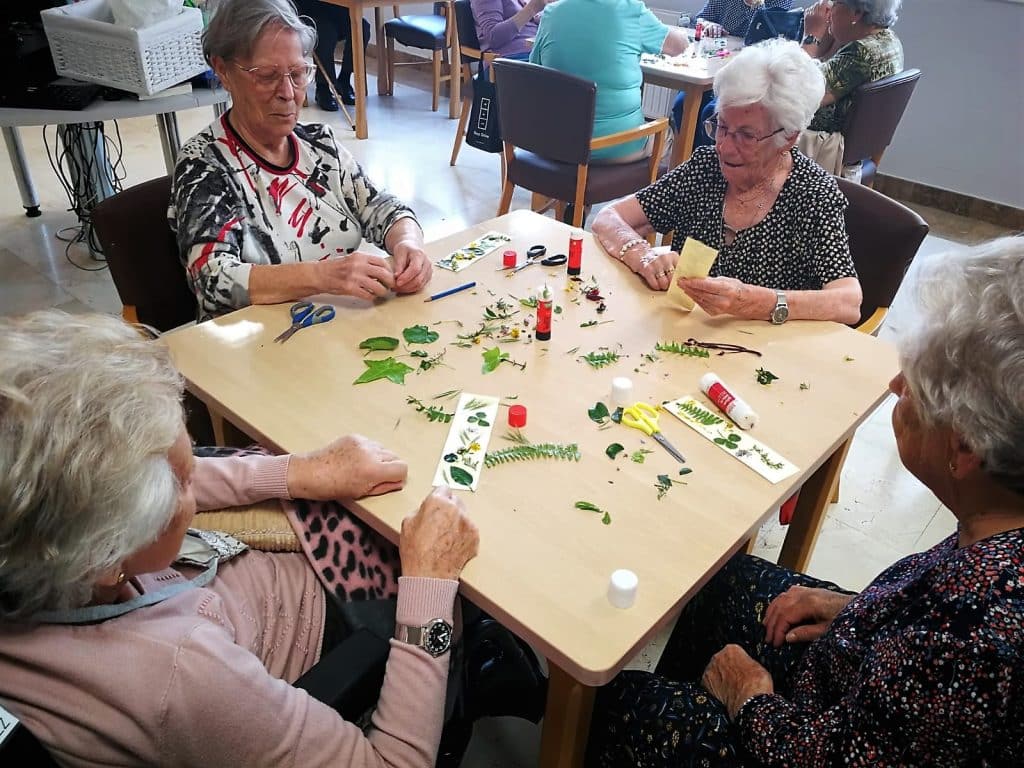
[(112, 652)]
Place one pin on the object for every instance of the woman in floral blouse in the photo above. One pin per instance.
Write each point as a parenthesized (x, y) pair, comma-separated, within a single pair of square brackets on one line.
[(925, 667)]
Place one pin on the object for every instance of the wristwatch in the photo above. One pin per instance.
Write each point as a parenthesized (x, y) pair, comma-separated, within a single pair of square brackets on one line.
[(781, 312), (435, 637), (811, 40)]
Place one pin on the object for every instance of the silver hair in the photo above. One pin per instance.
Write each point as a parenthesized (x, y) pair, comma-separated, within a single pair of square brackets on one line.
[(237, 24), (778, 75), (88, 412), (964, 360), (877, 13)]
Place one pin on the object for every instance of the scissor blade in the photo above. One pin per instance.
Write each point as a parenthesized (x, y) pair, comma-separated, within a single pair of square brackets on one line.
[(287, 333), (669, 447)]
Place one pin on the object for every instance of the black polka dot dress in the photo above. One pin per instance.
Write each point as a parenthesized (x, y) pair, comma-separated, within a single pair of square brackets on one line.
[(800, 245)]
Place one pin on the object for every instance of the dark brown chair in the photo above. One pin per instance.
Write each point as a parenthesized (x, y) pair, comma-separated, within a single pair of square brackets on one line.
[(468, 45), (884, 238), (551, 157), (142, 254), (875, 113), (430, 33)]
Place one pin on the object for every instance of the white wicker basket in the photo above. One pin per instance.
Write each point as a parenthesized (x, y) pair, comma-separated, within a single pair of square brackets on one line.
[(87, 45)]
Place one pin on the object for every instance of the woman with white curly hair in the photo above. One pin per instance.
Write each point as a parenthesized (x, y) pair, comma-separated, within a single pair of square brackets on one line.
[(775, 218), (925, 667)]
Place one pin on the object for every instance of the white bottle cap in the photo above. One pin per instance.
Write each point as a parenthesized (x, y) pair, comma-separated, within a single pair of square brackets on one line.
[(622, 588), (622, 392)]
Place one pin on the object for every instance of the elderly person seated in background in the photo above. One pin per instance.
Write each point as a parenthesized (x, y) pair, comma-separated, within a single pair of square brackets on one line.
[(112, 656), (332, 24), (926, 665), (267, 210), (855, 44), (601, 40), (774, 216), (505, 27)]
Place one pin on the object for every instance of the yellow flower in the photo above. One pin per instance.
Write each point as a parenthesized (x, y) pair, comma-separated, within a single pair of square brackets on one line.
[(474, 447), (514, 333)]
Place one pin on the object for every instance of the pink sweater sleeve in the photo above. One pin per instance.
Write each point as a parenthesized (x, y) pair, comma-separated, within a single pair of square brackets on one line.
[(221, 707), (236, 480)]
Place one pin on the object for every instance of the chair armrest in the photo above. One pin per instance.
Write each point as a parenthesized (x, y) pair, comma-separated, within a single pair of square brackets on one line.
[(348, 678), (873, 323), (641, 131)]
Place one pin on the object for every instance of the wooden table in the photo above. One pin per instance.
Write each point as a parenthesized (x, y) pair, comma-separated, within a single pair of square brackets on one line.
[(355, 15), (544, 566), (693, 76)]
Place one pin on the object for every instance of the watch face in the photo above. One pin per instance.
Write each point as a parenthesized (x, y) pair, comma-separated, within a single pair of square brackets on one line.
[(780, 314), (438, 637)]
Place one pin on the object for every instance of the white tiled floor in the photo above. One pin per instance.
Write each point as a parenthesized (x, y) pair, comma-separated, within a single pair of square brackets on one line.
[(883, 514)]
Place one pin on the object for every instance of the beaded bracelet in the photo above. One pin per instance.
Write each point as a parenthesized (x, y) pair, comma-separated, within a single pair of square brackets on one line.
[(629, 244)]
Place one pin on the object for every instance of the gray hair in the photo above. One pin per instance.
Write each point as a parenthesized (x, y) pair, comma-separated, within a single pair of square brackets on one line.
[(877, 13), (88, 412), (778, 75), (237, 24), (964, 362)]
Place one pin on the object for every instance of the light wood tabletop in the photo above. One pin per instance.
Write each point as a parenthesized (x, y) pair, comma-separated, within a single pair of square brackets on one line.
[(544, 566)]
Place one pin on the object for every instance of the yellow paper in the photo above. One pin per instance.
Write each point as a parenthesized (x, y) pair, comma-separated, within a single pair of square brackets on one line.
[(695, 260)]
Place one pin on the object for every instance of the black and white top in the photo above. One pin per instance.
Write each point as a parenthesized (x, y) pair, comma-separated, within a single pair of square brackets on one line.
[(800, 245), (232, 209)]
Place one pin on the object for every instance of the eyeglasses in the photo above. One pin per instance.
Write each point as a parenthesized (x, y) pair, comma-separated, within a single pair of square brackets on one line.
[(743, 139), (269, 77)]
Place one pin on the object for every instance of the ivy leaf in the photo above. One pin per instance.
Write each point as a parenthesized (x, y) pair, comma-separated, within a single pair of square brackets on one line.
[(598, 413), (461, 476), (419, 334), (379, 343), (614, 450), (389, 368), (493, 358)]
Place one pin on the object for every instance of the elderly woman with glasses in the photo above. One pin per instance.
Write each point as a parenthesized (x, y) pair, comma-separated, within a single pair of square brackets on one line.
[(268, 210), (925, 667), (775, 218)]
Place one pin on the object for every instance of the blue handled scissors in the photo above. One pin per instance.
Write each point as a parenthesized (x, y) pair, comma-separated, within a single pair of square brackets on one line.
[(304, 314), (644, 417)]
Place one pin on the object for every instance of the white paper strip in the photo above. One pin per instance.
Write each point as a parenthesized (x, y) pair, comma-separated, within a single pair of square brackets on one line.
[(462, 459), (718, 429), (471, 253)]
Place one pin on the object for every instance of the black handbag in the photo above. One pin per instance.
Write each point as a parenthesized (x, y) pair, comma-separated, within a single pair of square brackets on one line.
[(483, 131), (769, 23)]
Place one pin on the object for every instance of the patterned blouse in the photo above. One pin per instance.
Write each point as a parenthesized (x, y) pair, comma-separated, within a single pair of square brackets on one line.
[(861, 61), (735, 15), (231, 209), (800, 245), (924, 668)]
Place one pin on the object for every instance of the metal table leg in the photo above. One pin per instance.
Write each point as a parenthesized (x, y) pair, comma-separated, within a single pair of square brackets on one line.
[(170, 142), (19, 164), (220, 108)]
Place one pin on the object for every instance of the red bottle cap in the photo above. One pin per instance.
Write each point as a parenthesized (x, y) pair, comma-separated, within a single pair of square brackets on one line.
[(509, 258), (517, 416)]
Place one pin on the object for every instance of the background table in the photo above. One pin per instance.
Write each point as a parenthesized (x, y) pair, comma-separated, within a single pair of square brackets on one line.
[(544, 566)]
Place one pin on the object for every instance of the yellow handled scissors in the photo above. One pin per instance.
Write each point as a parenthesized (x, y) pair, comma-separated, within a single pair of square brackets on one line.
[(644, 416)]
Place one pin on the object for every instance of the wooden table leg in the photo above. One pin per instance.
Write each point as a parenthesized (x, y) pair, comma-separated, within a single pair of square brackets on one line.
[(355, 17), (454, 72), (682, 144), (563, 742), (383, 84), (810, 512)]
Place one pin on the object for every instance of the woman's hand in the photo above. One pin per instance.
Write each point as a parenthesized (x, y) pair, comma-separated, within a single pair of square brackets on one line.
[(802, 614), (349, 468), (655, 269), (412, 267), (728, 296), (711, 29), (439, 539), (816, 19), (732, 677), (358, 274)]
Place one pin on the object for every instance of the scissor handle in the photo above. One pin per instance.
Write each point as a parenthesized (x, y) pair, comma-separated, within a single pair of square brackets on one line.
[(321, 314), (300, 310), (641, 416)]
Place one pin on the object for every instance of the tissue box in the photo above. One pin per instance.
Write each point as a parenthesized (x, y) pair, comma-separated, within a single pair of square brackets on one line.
[(87, 45)]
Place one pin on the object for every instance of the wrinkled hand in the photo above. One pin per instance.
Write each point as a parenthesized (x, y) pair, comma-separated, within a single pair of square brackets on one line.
[(438, 539), (412, 267), (816, 19), (732, 677), (726, 296), (349, 468), (358, 274), (656, 271), (711, 29), (802, 614)]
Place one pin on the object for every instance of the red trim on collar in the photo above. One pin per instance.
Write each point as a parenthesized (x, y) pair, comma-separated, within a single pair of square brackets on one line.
[(278, 170)]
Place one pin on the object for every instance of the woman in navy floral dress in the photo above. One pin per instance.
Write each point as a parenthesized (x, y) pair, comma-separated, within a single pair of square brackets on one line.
[(925, 667)]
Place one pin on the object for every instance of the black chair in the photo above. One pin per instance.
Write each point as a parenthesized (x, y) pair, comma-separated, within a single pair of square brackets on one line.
[(874, 115), (551, 158), (431, 33), (468, 45)]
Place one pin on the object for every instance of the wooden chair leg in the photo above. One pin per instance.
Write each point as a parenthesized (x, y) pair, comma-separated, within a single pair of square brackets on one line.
[(560, 206), (390, 46), (437, 81), (506, 197), (581, 190), (460, 130)]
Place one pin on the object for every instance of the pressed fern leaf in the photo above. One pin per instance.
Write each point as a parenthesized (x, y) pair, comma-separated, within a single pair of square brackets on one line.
[(432, 413), (700, 415), (569, 452), (601, 359), (678, 348)]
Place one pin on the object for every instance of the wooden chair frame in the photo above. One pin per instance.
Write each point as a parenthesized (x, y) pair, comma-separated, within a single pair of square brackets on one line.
[(439, 59)]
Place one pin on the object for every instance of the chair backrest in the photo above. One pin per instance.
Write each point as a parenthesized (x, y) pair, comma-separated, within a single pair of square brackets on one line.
[(545, 111), (142, 254), (466, 25), (875, 113), (884, 238)]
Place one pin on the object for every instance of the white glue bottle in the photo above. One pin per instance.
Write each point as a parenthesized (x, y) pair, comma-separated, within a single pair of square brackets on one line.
[(722, 396)]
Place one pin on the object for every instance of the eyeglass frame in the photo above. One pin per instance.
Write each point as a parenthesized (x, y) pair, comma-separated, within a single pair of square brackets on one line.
[(290, 74), (712, 126)]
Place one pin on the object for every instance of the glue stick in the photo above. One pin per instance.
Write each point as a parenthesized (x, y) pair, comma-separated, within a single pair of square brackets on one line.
[(722, 396), (544, 301)]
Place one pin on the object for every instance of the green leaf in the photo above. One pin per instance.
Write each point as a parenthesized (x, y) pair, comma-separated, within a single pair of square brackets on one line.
[(598, 413), (614, 450), (419, 334), (379, 343), (419, 353), (765, 377), (640, 455), (389, 368), (461, 476), (586, 505), (685, 471), (606, 519), (530, 452), (493, 358)]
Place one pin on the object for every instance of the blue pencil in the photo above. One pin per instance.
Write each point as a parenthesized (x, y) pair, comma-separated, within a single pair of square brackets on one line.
[(450, 291)]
